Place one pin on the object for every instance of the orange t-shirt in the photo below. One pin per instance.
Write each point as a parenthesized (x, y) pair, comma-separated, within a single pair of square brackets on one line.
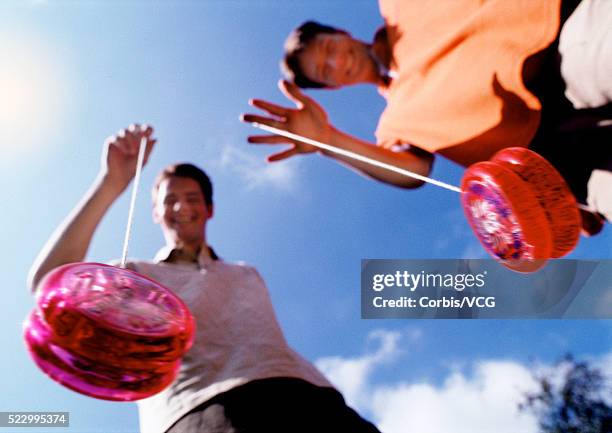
[(459, 88)]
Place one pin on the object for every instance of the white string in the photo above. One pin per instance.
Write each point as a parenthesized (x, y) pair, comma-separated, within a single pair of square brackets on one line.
[(371, 161), (356, 156), (128, 230)]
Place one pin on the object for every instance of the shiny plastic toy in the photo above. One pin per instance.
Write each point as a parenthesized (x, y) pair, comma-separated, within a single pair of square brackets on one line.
[(521, 209), (552, 193), (108, 332), (518, 205)]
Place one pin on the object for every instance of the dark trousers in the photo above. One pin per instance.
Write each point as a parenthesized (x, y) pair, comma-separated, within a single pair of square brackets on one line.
[(274, 405)]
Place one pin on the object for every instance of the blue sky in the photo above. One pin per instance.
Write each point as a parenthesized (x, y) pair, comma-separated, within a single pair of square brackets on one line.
[(73, 73)]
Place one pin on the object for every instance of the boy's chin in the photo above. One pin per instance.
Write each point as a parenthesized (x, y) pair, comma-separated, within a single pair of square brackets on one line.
[(185, 237)]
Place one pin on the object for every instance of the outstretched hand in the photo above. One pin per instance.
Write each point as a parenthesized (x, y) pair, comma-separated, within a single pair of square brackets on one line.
[(308, 119), (118, 165)]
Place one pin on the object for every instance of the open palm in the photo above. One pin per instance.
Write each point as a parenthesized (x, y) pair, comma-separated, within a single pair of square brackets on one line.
[(308, 119)]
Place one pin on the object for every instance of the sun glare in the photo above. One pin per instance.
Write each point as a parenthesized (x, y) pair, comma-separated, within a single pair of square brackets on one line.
[(34, 95)]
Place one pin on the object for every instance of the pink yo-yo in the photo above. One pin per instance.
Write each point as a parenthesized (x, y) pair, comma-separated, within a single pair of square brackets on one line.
[(108, 332)]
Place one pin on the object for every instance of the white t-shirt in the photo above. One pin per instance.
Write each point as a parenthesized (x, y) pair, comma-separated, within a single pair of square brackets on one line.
[(585, 44), (237, 337)]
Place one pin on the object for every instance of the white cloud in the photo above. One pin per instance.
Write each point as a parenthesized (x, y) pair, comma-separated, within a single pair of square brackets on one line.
[(256, 172), (351, 374), (483, 402), (480, 397), (604, 365)]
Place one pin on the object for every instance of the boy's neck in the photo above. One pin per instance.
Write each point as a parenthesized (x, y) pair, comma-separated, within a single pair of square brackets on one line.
[(188, 252)]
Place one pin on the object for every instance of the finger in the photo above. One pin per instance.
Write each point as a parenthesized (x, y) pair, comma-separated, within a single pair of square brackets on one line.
[(126, 141), (268, 139), (131, 141), (149, 148), (270, 107), (283, 155), (293, 92), (110, 140), (119, 142), (147, 142), (146, 129), (143, 129), (139, 130), (254, 118)]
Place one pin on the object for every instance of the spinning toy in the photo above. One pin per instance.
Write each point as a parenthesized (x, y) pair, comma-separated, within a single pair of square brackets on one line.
[(106, 331), (517, 204)]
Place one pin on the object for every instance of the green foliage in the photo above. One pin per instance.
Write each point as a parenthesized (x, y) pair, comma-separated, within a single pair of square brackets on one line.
[(571, 399)]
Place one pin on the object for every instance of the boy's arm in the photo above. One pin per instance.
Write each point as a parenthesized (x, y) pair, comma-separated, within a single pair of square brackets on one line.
[(70, 241), (310, 120)]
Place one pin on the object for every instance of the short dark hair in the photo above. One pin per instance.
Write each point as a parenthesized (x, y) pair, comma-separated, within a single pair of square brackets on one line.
[(296, 43), (189, 171)]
